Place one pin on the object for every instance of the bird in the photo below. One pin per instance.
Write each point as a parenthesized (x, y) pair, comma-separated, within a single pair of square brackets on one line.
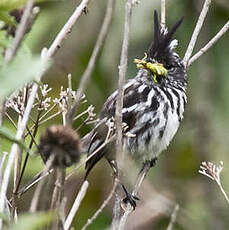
[(153, 104)]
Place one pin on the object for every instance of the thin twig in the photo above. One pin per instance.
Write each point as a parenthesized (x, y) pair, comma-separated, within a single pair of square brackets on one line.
[(30, 147), (76, 205), (163, 13), (209, 44), (46, 54), (121, 82), (122, 76), (37, 193), (196, 32), (173, 217), (92, 155), (91, 64), (129, 208), (20, 32), (3, 158), (11, 120), (14, 149), (104, 204), (58, 188), (40, 176), (67, 28)]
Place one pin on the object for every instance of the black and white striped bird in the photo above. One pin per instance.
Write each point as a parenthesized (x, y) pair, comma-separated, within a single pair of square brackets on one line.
[(153, 103)]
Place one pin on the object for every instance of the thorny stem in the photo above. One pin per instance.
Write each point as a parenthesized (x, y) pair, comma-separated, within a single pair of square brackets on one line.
[(196, 32), (91, 64)]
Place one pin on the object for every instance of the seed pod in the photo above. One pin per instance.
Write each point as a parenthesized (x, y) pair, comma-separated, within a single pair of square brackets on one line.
[(63, 142)]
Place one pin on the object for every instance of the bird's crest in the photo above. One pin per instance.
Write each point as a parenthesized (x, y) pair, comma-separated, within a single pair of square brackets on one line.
[(163, 43)]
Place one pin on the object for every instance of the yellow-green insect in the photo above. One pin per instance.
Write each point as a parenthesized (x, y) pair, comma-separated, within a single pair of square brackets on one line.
[(155, 68)]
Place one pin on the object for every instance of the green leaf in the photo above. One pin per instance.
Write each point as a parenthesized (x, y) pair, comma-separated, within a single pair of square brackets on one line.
[(21, 71), (8, 135), (33, 221), (5, 17), (8, 5)]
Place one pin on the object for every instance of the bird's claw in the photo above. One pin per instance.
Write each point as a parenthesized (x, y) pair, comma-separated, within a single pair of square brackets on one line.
[(131, 199)]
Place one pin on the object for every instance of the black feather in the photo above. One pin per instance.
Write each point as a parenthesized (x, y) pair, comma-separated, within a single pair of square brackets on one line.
[(159, 48)]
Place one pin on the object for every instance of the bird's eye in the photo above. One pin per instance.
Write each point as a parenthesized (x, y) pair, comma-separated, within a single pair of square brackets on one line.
[(172, 70)]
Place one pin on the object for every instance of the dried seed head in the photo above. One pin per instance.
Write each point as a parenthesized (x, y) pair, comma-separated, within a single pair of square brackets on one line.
[(63, 142)]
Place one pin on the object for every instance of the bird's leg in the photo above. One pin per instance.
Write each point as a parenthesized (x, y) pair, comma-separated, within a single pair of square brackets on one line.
[(130, 198), (148, 163), (142, 174)]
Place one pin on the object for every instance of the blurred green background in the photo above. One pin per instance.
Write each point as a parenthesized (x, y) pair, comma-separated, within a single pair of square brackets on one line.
[(202, 136)]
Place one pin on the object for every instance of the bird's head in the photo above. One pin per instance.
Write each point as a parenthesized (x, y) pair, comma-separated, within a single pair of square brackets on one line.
[(161, 58)]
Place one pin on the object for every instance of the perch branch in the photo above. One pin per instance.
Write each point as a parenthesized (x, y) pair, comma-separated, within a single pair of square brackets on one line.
[(119, 102), (173, 217), (137, 186), (121, 82)]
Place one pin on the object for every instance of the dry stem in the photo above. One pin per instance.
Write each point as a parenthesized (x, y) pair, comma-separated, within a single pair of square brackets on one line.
[(196, 32), (87, 73), (20, 32), (76, 205), (104, 204), (129, 208), (46, 54), (173, 217), (37, 193), (163, 13), (121, 82), (209, 44)]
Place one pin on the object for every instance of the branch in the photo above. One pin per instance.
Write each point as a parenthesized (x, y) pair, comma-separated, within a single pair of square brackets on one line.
[(20, 32), (91, 64), (104, 204), (196, 32), (173, 217), (121, 82), (137, 186), (46, 54), (76, 205), (163, 13), (209, 44), (36, 195)]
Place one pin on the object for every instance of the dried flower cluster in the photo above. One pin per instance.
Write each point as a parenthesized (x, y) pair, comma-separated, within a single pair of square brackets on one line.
[(211, 170)]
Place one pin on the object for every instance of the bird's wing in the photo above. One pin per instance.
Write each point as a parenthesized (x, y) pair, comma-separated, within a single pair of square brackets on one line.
[(134, 96)]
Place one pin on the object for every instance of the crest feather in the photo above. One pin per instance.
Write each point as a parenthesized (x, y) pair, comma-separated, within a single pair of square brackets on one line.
[(162, 39)]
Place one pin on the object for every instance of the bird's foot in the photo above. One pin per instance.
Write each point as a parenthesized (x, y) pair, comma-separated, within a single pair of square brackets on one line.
[(131, 199)]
